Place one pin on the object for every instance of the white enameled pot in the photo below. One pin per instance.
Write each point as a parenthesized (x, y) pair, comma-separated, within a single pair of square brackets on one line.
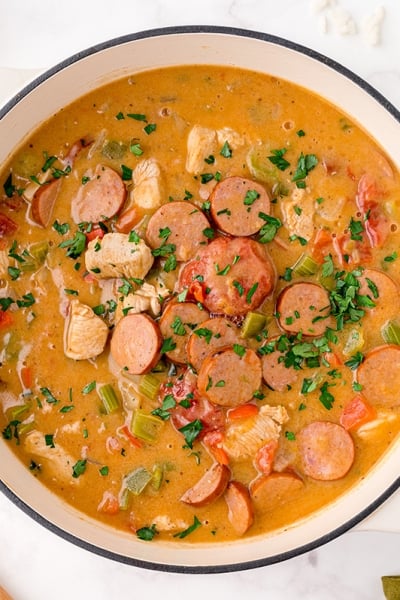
[(203, 45)]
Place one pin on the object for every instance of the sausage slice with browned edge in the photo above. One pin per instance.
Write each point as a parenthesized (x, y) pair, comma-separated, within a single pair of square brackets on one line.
[(269, 491), (240, 507), (326, 450), (304, 307), (236, 204), (275, 374), (379, 375), (230, 377), (212, 335), (136, 343), (100, 198), (43, 202), (236, 275), (181, 224), (210, 487), (177, 322), (381, 289)]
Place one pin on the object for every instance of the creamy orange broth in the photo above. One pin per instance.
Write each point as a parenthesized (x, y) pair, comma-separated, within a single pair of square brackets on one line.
[(266, 115)]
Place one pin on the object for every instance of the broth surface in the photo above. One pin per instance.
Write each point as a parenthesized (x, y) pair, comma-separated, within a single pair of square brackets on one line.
[(306, 303)]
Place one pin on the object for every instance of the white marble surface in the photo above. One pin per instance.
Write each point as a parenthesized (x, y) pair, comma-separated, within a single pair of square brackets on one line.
[(35, 564)]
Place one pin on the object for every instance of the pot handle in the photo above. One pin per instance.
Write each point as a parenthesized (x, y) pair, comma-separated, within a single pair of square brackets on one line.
[(385, 518)]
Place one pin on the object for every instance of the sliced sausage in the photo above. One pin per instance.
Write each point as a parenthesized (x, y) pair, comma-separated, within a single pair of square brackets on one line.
[(275, 374), (381, 289), (236, 203), (43, 202), (210, 487), (240, 507), (177, 322), (304, 307), (228, 378), (213, 335), (100, 198), (181, 224), (136, 343), (379, 375), (269, 491), (326, 450), (236, 275)]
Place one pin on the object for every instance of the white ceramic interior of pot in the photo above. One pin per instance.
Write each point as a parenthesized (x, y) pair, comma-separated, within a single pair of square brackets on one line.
[(154, 49)]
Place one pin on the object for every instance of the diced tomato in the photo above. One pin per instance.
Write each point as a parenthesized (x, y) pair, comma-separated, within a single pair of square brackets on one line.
[(245, 411), (26, 377), (109, 504), (377, 225), (322, 245), (356, 413), (7, 225), (132, 439), (265, 456), (6, 319), (213, 440), (95, 232), (197, 291), (333, 359), (356, 251)]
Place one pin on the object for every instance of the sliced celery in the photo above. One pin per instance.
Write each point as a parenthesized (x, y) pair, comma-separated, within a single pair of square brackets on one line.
[(145, 427), (137, 480), (124, 499), (149, 386), (109, 398), (305, 266), (391, 332), (157, 476), (39, 251), (14, 413), (254, 323), (354, 342)]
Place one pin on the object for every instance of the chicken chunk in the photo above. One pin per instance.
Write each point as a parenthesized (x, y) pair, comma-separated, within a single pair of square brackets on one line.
[(230, 136), (56, 460), (201, 143), (145, 299), (298, 214), (85, 333), (147, 182), (116, 256), (245, 437)]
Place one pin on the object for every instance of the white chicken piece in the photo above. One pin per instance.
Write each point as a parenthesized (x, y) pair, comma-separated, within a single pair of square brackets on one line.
[(116, 256), (85, 334), (231, 137), (298, 214), (165, 523), (4, 263), (147, 185), (145, 299), (56, 460), (201, 143), (244, 437)]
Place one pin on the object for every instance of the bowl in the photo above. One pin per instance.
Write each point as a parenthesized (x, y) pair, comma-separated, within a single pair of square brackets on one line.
[(156, 48)]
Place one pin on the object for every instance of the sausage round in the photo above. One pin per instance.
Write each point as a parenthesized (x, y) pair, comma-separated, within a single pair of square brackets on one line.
[(240, 507), (275, 374), (176, 323), (181, 224), (43, 202), (236, 203), (326, 450), (236, 275), (100, 198), (136, 343), (213, 335), (210, 487), (379, 375), (269, 491), (381, 288), (228, 378), (304, 307)]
